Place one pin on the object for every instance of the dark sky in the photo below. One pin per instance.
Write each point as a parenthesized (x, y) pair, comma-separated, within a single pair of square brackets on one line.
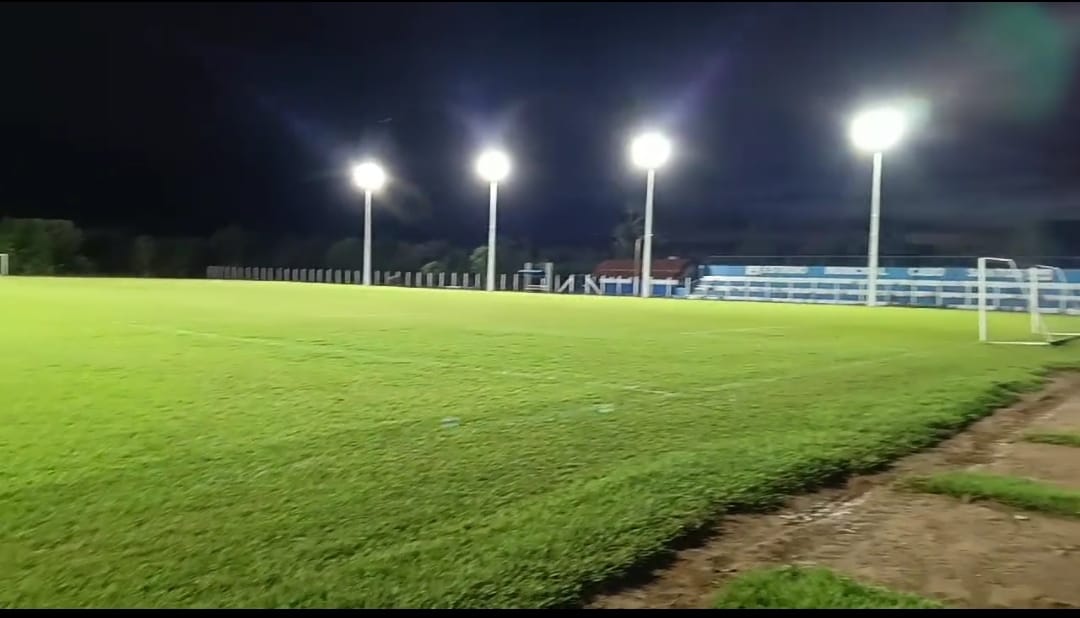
[(177, 119)]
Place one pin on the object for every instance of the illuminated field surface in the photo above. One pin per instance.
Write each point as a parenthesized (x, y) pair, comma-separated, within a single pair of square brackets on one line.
[(183, 443)]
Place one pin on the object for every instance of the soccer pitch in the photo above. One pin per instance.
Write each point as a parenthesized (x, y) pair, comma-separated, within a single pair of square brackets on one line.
[(213, 443)]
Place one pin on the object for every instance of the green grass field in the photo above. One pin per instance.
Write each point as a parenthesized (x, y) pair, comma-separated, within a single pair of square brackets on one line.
[(187, 443), (1011, 490), (811, 588), (1060, 438)]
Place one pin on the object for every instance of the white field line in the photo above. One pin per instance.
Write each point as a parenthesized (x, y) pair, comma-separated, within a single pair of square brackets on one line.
[(300, 345), (607, 408), (548, 377), (553, 379), (401, 360), (878, 360), (723, 331)]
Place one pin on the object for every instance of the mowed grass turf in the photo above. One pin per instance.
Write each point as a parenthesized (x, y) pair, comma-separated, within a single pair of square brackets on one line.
[(1014, 491), (811, 588), (1060, 438), (187, 443)]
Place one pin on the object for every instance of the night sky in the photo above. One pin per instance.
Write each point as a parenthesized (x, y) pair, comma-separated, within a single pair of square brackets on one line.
[(174, 119)]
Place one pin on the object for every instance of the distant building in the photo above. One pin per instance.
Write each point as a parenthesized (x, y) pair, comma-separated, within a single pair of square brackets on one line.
[(669, 268)]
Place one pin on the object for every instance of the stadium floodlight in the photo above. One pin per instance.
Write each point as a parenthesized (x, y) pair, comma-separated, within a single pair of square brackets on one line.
[(370, 177), (493, 166), (876, 130), (649, 151)]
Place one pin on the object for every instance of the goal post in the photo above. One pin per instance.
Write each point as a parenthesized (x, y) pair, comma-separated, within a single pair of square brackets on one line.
[(1014, 305), (3, 264), (1057, 303)]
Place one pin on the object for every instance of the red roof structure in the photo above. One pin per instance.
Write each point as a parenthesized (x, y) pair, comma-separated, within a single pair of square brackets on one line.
[(669, 268)]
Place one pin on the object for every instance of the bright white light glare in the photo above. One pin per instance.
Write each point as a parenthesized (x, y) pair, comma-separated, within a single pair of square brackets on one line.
[(878, 129), (369, 176), (493, 165), (650, 150)]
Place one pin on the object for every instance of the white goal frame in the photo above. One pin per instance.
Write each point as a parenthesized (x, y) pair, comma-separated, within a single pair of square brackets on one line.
[(1058, 277), (1025, 281), (3, 264)]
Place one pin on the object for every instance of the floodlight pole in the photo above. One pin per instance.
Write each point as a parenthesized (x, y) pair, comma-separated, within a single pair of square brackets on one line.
[(367, 236), (491, 237), (875, 223), (646, 252)]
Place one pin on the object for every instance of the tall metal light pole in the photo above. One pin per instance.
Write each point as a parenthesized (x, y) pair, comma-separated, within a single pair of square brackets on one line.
[(369, 177), (649, 151), (492, 166), (875, 235), (875, 131)]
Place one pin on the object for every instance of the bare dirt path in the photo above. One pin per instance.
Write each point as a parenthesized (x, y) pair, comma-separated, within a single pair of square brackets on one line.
[(964, 554)]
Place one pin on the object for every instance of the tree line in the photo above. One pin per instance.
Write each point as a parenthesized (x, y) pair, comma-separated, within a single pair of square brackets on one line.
[(60, 247)]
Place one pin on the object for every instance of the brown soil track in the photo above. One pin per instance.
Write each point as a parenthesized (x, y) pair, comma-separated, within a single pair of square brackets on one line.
[(964, 554)]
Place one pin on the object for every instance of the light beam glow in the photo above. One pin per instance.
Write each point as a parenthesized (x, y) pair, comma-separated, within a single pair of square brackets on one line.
[(878, 129), (368, 176), (493, 165), (650, 150)]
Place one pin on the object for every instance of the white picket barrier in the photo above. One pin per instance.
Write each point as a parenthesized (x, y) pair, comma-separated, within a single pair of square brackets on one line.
[(563, 284), (852, 291)]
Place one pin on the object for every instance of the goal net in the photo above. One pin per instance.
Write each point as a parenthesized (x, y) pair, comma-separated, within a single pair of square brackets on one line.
[(1058, 303), (1029, 306)]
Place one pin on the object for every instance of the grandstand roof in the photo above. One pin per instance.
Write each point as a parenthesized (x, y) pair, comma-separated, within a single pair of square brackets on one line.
[(668, 268)]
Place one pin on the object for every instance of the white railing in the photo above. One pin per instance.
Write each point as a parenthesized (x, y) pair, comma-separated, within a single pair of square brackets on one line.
[(631, 286), (570, 284), (1054, 296)]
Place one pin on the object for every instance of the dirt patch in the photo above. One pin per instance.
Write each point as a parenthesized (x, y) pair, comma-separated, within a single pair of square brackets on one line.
[(967, 555), (1058, 465)]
